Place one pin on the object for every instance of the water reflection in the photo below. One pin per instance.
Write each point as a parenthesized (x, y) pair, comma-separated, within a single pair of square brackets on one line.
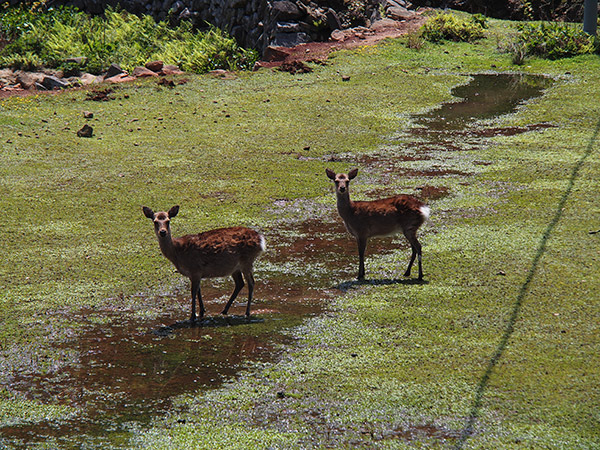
[(485, 97)]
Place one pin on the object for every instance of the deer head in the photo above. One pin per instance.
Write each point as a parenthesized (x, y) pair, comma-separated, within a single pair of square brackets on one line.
[(161, 220), (341, 180)]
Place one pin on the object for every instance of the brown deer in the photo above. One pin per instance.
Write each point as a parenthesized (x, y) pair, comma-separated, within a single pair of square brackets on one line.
[(382, 217), (214, 253)]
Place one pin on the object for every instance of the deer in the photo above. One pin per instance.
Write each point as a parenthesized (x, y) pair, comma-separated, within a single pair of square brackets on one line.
[(383, 217), (216, 253)]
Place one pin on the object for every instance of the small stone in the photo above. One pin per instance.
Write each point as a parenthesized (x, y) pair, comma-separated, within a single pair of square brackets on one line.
[(120, 78), (50, 82), (154, 66), (85, 131), (114, 70), (142, 72), (170, 69)]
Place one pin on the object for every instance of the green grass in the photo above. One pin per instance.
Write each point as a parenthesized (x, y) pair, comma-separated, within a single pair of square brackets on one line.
[(497, 349)]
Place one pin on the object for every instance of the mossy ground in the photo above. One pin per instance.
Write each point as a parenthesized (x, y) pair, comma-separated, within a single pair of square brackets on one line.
[(497, 349)]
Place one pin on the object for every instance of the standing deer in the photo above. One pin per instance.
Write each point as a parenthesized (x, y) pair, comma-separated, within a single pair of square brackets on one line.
[(382, 217), (214, 253)]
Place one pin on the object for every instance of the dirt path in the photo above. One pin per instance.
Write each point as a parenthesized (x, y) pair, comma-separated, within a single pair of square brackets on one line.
[(341, 40)]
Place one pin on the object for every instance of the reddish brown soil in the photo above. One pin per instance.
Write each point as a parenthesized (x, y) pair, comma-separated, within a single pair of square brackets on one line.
[(348, 39)]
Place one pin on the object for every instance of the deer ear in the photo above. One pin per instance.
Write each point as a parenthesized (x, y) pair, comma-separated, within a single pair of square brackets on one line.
[(148, 212), (352, 174), (330, 173), (173, 211)]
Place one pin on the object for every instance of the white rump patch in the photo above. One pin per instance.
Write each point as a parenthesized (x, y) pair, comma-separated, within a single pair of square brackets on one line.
[(425, 211), (263, 243)]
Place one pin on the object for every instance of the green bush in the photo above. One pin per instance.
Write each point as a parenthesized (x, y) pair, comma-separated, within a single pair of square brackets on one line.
[(555, 40), (47, 39), (450, 27)]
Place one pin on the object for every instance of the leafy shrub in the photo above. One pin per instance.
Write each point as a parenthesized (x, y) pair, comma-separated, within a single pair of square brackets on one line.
[(450, 27), (415, 41), (119, 37), (554, 40), (207, 51)]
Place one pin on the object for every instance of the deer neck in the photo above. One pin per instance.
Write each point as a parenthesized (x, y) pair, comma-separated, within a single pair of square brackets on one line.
[(168, 248), (345, 205)]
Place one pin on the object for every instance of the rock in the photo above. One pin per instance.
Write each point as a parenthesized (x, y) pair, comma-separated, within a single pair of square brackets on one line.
[(113, 70), (273, 53), (79, 60), (170, 69), (333, 20), (86, 131), (27, 80), (400, 3), (285, 11), (383, 24), (88, 78), (290, 39), (88, 115), (142, 72), (186, 14), (7, 76), (154, 66), (400, 13), (177, 7), (338, 35), (51, 82), (120, 78), (218, 73), (288, 27)]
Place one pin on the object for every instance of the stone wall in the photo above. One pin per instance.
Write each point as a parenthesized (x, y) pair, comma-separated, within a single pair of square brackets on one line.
[(253, 23)]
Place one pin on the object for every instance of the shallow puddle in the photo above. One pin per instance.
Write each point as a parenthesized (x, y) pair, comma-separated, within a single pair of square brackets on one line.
[(128, 370), (487, 96)]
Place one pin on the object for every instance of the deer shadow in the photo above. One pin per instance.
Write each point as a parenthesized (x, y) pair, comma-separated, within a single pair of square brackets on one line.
[(206, 322), (346, 286)]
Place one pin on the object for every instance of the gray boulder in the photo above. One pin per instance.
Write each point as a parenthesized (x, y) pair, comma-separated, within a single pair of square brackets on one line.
[(52, 82)]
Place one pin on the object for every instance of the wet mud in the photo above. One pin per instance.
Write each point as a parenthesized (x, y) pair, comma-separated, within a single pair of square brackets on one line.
[(128, 370)]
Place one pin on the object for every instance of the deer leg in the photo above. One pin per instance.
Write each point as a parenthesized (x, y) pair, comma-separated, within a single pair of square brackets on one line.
[(410, 263), (362, 246), (411, 235), (195, 292), (239, 284), (200, 303), (250, 280)]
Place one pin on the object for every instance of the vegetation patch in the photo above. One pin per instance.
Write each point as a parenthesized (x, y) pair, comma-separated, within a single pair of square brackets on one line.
[(553, 40), (67, 39), (447, 26)]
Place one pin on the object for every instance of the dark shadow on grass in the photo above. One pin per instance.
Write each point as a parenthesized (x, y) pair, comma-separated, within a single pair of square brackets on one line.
[(348, 285), (467, 431), (213, 321)]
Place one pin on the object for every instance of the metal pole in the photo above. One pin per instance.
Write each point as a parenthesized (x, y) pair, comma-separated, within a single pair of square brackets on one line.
[(590, 16)]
